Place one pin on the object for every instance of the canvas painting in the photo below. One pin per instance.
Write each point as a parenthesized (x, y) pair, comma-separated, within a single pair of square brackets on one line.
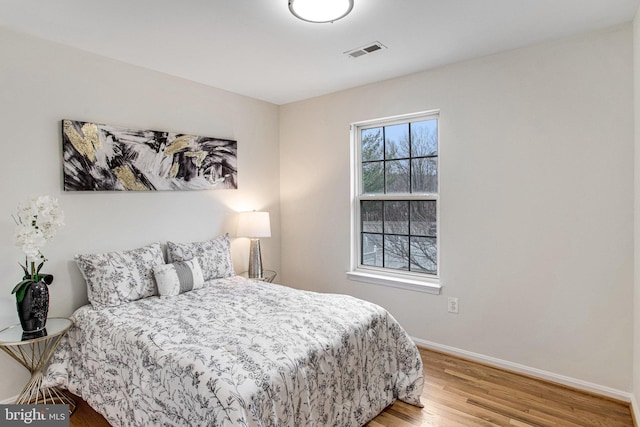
[(106, 158)]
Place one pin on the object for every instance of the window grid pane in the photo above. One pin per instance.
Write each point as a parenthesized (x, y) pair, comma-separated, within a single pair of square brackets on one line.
[(397, 176), (372, 252), (424, 254), (372, 144), (396, 142), (373, 177), (371, 217), (423, 218), (424, 175), (396, 252)]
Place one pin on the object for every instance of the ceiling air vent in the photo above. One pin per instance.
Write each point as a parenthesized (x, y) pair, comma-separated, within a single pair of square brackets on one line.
[(361, 51)]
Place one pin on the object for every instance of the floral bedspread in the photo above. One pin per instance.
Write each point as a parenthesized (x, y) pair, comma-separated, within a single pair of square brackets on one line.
[(241, 353)]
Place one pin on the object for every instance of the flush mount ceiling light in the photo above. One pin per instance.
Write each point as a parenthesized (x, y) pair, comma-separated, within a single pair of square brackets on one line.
[(320, 11)]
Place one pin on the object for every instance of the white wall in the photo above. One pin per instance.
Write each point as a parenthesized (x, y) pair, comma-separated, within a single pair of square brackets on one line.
[(42, 83), (536, 203)]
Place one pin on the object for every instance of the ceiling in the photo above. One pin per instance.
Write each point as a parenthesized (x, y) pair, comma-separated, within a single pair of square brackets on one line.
[(258, 49)]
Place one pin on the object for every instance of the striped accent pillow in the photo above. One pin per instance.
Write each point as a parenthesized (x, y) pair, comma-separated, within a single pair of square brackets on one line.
[(179, 277)]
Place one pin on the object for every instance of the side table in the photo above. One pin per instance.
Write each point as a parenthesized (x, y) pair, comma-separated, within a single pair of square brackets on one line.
[(34, 354), (267, 276)]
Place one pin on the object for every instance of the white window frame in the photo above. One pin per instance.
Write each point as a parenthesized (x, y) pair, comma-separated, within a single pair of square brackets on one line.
[(415, 281)]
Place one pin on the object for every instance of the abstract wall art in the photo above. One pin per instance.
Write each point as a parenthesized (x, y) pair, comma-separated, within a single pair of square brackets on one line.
[(106, 158)]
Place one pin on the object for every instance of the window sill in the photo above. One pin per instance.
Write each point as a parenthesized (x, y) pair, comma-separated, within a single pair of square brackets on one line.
[(396, 282)]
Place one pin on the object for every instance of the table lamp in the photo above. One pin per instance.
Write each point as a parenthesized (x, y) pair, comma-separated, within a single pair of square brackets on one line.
[(254, 225)]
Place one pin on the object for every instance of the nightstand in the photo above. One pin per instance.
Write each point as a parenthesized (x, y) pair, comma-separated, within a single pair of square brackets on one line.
[(267, 276), (34, 354)]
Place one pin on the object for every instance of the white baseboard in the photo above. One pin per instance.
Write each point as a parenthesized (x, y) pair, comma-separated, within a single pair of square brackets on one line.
[(9, 401), (536, 373), (635, 410)]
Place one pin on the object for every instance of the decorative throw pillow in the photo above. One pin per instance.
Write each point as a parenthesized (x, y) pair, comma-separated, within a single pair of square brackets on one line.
[(115, 278), (179, 277), (214, 256)]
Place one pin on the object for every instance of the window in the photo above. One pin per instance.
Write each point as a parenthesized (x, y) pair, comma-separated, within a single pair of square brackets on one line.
[(395, 205)]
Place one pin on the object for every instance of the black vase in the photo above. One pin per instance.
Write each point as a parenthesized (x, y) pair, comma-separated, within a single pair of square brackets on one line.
[(34, 307)]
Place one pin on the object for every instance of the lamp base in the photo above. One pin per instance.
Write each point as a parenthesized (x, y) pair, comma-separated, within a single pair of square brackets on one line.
[(255, 259)]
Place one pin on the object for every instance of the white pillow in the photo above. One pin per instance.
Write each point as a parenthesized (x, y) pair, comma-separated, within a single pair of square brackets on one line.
[(214, 256), (179, 277), (115, 278)]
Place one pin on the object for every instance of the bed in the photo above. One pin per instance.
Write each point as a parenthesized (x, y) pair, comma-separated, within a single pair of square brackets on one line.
[(235, 352)]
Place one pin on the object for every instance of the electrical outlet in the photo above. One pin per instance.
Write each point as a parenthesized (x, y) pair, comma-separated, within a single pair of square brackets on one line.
[(453, 305)]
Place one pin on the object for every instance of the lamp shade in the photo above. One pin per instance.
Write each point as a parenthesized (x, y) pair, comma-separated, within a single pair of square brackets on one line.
[(320, 10), (254, 224)]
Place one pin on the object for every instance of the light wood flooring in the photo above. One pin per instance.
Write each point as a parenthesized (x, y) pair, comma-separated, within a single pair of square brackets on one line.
[(458, 392)]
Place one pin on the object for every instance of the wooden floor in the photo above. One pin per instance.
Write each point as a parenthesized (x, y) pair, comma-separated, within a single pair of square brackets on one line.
[(458, 392)]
